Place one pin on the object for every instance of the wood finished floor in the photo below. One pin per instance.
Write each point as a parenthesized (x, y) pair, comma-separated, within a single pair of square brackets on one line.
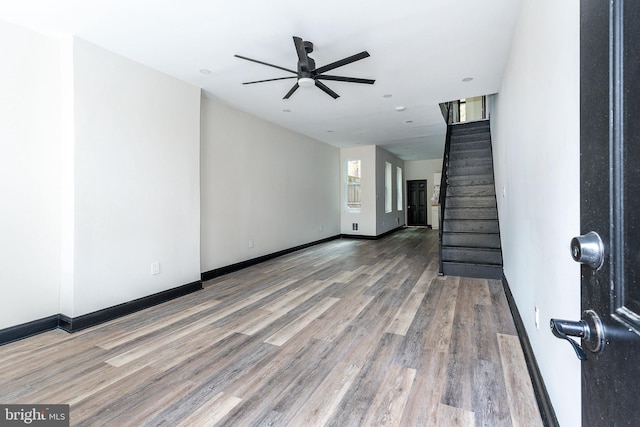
[(346, 333)]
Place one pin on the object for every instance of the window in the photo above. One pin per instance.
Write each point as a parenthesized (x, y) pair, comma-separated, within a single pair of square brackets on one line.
[(463, 110), (387, 187), (399, 187), (354, 173)]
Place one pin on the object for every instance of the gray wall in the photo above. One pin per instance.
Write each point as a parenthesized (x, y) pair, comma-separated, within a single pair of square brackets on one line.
[(263, 188)]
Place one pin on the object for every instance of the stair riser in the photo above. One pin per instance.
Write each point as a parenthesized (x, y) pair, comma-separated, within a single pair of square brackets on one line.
[(470, 138), (471, 202), (464, 170), (471, 126), (472, 190), (476, 271), (486, 161), (472, 239), (465, 146), (471, 213), (470, 226), (484, 153), (471, 256), (463, 180)]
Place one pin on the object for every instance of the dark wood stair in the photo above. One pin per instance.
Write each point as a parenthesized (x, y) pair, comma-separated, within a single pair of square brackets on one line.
[(470, 243)]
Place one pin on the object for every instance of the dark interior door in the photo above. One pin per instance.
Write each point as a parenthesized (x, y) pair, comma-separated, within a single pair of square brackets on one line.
[(417, 202), (610, 207)]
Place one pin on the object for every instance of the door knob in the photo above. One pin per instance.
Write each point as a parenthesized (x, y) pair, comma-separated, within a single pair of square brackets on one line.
[(588, 249), (589, 330)]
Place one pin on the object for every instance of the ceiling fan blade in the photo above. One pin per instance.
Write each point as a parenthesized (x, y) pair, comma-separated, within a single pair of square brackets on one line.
[(342, 62), (302, 54), (270, 80), (266, 63), (327, 90), (346, 79), (293, 89), (303, 59)]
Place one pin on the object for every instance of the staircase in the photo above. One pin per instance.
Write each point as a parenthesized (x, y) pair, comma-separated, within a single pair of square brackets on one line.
[(470, 242)]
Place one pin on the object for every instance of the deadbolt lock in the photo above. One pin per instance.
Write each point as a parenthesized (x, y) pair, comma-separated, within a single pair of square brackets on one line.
[(588, 249)]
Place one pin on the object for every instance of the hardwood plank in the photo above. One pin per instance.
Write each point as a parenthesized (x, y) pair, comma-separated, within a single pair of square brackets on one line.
[(425, 279), (415, 343), (449, 416), (356, 402), (522, 404), (285, 388), (212, 411), (489, 408), (93, 406), (159, 342), (137, 333), (324, 401), (440, 330), (284, 334), (390, 400), (424, 398), (341, 315), (405, 314), (459, 390)]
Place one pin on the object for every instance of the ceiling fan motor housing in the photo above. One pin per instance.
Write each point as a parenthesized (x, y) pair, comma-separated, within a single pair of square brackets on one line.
[(308, 46)]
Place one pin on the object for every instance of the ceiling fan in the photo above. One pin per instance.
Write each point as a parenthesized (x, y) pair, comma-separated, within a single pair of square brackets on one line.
[(308, 74)]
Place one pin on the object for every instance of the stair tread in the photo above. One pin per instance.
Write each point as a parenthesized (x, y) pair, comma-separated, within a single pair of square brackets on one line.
[(472, 248), (470, 138), (469, 219), (471, 263), (468, 161), (469, 232)]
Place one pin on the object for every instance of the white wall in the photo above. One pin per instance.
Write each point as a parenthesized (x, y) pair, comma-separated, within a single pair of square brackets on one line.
[(366, 218), (424, 169), (387, 221), (29, 176), (136, 181), (262, 185), (535, 131)]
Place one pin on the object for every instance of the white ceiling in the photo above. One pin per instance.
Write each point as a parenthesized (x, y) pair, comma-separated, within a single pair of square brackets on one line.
[(420, 52)]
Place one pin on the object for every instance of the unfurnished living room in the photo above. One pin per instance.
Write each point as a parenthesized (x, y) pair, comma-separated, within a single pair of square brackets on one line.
[(289, 213)]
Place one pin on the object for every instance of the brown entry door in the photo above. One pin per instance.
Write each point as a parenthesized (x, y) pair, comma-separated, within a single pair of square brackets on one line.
[(609, 248), (417, 202)]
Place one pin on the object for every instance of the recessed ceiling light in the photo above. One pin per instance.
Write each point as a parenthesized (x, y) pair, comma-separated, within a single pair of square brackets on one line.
[(388, 95), (400, 108), (467, 79), (409, 121), (286, 111), (330, 131), (205, 71)]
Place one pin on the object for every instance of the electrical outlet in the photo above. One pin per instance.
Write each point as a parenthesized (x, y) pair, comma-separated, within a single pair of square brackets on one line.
[(537, 317), (251, 244), (155, 268)]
